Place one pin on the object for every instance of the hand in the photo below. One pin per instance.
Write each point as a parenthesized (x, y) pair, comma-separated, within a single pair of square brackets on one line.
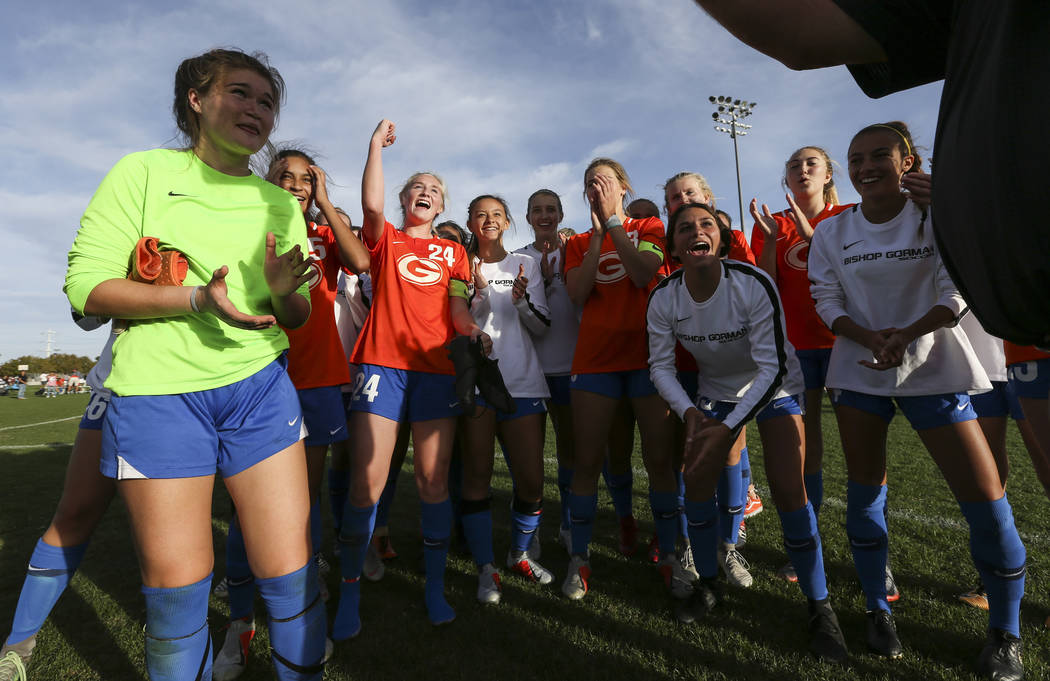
[(211, 299), (605, 197), (919, 187), (320, 186), (486, 342), (888, 346), (802, 226), (384, 134), (287, 272), (277, 168), (521, 284), (705, 438), (480, 281), (765, 221), (546, 266)]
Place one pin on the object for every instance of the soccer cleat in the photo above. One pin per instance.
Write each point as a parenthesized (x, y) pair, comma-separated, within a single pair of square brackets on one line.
[(754, 503), (653, 550), (384, 547), (704, 598), (222, 589), (825, 634), (489, 587), (734, 566), (233, 656), (677, 580), (577, 580), (565, 539), (535, 550), (373, 568), (882, 635), (628, 535), (526, 566), (977, 597), (323, 568), (893, 594), (14, 660), (685, 557), (741, 538), (1001, 658), (787, 573)]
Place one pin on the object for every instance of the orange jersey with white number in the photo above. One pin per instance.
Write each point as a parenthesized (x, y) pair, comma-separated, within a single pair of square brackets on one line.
[(612, 330), (315, 354), (805, 329), (410, 323), (1022, 353)]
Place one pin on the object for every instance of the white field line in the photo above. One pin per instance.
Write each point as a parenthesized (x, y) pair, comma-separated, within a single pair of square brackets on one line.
[(42, 423), (46, 445)]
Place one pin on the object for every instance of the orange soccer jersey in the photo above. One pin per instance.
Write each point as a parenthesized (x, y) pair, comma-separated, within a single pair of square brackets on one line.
[(410, 322), (315, 355), (805, 329), (1022, 353), (612, 330)]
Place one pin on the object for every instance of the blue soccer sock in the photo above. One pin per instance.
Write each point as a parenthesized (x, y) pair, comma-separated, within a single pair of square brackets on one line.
[(665, 519), (437, 526), (1000, 559), (581, 517), (703, 535), (358, 524), (297, 624), (815, 489), (525, 520), (802, 543), (338, 489), (315, 526), (564, 485), (621, 487), (683, 523), (50, 569), (477, 528), (868, 539), (730, 503), (240, 585), (386, 499), (745, 475), (178, 643)]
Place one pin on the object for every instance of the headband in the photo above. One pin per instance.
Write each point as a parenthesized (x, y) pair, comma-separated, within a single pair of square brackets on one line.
[(907, 145)]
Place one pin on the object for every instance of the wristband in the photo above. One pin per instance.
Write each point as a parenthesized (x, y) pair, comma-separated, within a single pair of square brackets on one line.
[(613, 221), (193, 299)]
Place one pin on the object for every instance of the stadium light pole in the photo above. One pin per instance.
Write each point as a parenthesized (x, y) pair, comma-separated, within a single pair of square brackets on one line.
[(731, 112)]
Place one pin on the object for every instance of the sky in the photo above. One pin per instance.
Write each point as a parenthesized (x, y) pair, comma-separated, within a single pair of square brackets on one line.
[(501, 98)]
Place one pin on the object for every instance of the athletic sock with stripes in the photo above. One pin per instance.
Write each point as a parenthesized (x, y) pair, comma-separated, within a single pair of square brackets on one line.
[(50, 569), (868, 540), (297, 624), (178, 643), (437, 528), (358, 524), (703, 535), (665, 519), (581, 518), (731, 499), (477, 528), (683, 524), (1000, 559), (525, 520), (745, 477), (620, 487), (802, 543)]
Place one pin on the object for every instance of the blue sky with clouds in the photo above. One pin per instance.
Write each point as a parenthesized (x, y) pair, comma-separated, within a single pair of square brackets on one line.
[(497, 97)]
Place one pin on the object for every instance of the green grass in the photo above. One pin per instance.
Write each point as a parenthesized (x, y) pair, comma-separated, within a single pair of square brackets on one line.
[(622, 630)]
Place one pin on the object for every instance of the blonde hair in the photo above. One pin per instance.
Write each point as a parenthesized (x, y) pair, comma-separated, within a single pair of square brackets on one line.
[(415, 176), (700, 180), (618, 171), (831, 194)]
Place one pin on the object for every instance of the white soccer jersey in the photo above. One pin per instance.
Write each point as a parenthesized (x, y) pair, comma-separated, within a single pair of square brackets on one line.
[(890, 275), (558, 345), (737, 336), (513, 325), (989, 349)]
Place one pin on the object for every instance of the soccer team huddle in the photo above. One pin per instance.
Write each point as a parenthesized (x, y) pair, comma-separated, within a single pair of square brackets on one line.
[(292, 332)]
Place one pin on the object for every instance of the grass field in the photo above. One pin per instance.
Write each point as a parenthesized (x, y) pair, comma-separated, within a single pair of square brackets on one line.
[(622, 630)]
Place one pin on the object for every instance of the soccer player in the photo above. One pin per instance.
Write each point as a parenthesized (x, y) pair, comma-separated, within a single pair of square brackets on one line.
[(609, 271), (728, 316), (420, 302), (880, 287), (198, 378)]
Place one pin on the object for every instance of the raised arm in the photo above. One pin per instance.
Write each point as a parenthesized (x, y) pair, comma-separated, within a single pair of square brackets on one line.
[(372, 185), (352, 253), (530, 299)]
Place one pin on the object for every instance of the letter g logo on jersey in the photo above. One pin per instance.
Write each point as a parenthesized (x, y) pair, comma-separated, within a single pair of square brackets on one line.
[(610, 268), (797, 256), (419, 270)]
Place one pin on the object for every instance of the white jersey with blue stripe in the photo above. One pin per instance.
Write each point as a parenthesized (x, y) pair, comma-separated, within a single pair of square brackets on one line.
[(737, 336)]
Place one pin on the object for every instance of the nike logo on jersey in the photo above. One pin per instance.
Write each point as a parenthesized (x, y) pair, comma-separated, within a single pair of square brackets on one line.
[(846, 247), (962, 405), (683, 319), (292, 422), (333, 432), (170, 193)]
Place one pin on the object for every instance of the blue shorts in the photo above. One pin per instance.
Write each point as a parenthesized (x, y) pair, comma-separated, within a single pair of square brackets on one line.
[(559, 387), (814, 365), (401, 395), (792, 405), (998, 402), (96, 410), (615, 384), (227, 429), (690, 382), (922, 411), (525, 406), (1031, 380), (323, 414)]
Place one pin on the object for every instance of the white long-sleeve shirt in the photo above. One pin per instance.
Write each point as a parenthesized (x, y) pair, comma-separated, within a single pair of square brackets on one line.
[(890, 275), (737, 336), (557, 346), (512, 325)]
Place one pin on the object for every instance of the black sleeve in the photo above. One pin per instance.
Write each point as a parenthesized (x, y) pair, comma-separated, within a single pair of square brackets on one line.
[(915, 36)]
